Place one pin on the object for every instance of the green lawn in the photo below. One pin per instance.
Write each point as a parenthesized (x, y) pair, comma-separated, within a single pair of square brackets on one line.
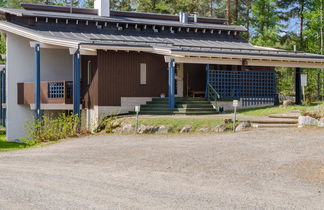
[(260, 112), (8, 146), (176, 124)]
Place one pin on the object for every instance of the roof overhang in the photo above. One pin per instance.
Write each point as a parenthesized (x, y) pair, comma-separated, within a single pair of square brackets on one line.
[(233, 57)]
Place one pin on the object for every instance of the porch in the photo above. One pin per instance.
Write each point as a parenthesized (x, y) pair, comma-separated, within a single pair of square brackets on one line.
[(54, 95)]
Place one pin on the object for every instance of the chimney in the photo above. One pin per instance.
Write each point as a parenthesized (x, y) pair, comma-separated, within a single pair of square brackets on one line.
[(183, 17), (103, 7)]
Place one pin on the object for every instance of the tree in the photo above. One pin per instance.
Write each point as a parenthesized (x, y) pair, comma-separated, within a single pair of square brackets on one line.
[(295, 9), (265, 23)]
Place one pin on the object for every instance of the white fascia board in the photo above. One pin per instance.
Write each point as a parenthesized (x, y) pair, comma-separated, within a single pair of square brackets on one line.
[(34, 36), (241, 56), (292, 64), (83, 51), (250, 62), (121, 48), (223, 61), (42, 45)]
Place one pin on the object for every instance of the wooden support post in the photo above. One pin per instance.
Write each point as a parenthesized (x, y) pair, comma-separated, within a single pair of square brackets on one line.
[(37, 114), (76, 83), (298, 86), (171, 83)]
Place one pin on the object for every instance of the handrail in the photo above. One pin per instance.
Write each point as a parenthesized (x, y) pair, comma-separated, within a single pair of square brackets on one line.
[(212, 94)]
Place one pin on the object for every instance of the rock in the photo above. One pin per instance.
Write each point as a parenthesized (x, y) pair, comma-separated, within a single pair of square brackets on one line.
[(287, 103), (163, 129), (115, 124), (307, 121), (228, 121), (18, 141), (126, 128), (321, 122), (242, 126), (147, 129), (220, 128), (204, 130), (185, 129)]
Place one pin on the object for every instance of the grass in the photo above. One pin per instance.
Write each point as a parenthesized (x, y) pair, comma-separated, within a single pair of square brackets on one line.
[(176, 124), (8, 146), (260, 112)]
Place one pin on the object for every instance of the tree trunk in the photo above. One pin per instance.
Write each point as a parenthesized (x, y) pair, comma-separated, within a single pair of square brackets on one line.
[(228, 12), (301, 32), (236, 4)]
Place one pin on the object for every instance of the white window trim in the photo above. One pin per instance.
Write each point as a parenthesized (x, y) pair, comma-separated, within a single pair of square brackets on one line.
[(143, 73)]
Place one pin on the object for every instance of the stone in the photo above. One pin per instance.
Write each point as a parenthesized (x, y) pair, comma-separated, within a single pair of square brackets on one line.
[(185, 129), (287, 103), (115, 124), (18, 141), (147, 129), (321, 122), (307, 121), (163, 129), (242, 126), (126, 128), (220, 128), (226, 121), (204, 130)]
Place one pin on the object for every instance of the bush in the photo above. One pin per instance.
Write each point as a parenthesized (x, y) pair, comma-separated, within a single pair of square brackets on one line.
[(52, 128)]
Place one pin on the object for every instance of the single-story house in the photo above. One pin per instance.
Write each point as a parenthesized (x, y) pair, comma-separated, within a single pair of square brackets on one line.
[(98, 61)]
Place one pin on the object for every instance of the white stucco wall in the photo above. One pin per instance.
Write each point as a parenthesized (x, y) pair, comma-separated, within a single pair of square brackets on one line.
[(56, 64)]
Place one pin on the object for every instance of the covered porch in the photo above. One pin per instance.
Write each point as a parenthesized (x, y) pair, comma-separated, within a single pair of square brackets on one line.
[(248, 75)]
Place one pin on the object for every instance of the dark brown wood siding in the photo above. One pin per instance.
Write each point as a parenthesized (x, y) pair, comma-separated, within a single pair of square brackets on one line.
[(89, 91), (119, 76)]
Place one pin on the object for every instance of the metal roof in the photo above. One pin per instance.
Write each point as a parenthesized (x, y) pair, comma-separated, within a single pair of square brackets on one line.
[(119, 19), (183, 41)]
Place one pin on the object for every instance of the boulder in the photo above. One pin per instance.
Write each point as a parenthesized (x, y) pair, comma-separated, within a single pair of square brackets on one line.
[(228, 121), (147, 129), (163, 129), (18, 141), (321, 122), (220, 128), (287, 103), (307, 121), (242, 126), (126, 128), (204, 130), (185, 129)]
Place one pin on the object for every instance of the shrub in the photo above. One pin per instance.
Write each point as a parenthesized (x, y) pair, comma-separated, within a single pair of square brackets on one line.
[(52, 128)]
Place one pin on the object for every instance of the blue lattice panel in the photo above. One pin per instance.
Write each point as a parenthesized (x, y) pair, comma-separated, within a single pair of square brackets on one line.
[(240, 84), (56, 90)]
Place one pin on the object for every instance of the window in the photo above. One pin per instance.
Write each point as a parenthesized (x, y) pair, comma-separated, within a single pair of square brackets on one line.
[(143, 73), (89, 72)]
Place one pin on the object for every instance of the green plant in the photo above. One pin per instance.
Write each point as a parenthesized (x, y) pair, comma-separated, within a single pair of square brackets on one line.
[(51, 128)]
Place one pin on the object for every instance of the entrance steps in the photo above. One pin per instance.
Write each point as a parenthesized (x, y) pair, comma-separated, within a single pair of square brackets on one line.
[(277, 121), (185, 106)]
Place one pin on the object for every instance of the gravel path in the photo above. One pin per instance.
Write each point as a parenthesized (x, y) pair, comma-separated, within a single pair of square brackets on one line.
[(259, 169)]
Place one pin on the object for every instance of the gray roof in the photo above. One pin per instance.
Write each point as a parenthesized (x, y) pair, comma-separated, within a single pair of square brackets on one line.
[(178, 42), (119, 19), (209, 39)]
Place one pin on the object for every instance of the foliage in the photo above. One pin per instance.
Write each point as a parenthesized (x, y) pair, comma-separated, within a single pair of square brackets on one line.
[(260, 112), (52, 128)]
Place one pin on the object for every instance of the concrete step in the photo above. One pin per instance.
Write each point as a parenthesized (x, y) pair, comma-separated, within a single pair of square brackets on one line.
[(179, 99), (274, 121), (255, 125), (284, 116), (194, 105)]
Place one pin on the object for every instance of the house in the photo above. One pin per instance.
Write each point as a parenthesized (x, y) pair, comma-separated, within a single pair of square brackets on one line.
[(96, 61)]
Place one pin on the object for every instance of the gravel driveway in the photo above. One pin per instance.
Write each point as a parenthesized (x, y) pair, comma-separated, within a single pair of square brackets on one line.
[(259, 169)]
